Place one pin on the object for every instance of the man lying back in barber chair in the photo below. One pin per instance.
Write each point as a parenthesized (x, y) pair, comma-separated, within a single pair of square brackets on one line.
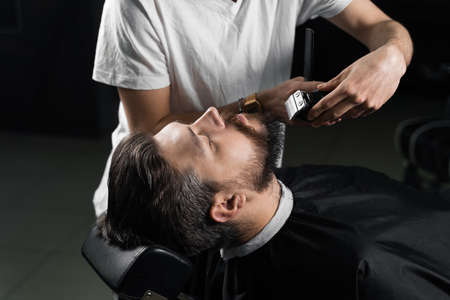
[(312, 232)]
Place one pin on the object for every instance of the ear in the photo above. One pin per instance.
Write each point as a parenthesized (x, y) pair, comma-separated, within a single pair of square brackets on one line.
[(226, 206)]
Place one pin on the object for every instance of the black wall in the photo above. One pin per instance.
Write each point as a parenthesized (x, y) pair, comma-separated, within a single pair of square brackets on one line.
[(47, 50), (46, 64)]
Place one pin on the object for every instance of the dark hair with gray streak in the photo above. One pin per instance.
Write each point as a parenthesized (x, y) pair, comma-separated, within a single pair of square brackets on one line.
[(151, 202)]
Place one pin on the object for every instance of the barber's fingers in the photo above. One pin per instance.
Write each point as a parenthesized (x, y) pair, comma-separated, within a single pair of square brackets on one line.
[(306, 86), (331, 84), (277, 113), (368, 112), (355, 112), (331, 123), (298, 78), (358, 111), (297, 122), (333, 113), (326, 103)]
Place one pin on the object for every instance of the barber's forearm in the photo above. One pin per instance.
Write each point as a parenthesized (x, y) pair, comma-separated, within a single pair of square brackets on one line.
[(390, 34), (149, 110), (226, 110), (183, 118)]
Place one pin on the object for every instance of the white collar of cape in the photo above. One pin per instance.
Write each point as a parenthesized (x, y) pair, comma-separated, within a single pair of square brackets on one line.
[(268, 232)]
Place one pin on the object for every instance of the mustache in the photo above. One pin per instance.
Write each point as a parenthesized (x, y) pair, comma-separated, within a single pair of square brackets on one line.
[(270, 143), (250, 132)]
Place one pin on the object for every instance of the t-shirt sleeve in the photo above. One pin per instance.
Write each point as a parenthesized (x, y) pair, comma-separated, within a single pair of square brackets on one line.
[(129, 51), (310, 9)]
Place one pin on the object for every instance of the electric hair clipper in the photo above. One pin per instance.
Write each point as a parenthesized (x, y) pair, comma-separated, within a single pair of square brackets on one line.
[(299, 103)]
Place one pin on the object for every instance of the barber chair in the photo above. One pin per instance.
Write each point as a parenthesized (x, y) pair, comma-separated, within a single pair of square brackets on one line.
[(424, 143), (146, 273)]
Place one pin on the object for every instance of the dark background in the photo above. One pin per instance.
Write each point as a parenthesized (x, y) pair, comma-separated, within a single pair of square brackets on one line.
[(46, 56), (55, 124), (47, 51)]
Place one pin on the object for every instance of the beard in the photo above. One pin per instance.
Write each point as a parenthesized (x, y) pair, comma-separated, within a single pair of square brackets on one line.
[(268, 148)]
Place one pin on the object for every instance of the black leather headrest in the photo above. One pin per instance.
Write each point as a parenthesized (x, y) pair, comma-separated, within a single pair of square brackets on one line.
[(131, 273)]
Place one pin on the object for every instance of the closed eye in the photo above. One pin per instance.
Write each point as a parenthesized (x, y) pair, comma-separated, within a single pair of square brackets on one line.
[(211, 143), (196, 137)]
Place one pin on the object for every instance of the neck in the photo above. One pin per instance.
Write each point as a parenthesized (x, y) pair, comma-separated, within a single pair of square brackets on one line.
[(261, 209)]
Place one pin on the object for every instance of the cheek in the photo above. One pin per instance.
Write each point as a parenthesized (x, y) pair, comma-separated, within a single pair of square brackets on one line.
[(239, 152), (234, 155)]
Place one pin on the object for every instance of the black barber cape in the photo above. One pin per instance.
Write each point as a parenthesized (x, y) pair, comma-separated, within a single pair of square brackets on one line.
[(352, 234)]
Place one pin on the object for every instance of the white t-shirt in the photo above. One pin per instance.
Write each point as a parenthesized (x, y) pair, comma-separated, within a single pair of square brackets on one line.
[(210, 52)]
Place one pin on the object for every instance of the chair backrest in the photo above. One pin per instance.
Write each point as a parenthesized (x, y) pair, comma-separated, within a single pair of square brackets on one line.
[(133, 273)]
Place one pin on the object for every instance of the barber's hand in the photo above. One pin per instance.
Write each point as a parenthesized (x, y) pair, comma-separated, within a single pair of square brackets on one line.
[(360, 89), (273, 99)]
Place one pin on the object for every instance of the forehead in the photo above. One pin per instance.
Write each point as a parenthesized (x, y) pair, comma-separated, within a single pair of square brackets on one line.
[(171, 140)]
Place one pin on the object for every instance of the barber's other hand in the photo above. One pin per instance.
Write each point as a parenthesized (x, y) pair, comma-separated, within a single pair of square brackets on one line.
[(273, 99), (360, 89)]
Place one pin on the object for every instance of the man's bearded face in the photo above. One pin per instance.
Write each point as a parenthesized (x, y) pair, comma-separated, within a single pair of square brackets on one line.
[(268, 145), (239, 150)]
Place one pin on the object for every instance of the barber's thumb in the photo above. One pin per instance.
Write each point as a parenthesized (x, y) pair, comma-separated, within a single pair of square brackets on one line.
[(299, 78), (310, 86), (329, 85)]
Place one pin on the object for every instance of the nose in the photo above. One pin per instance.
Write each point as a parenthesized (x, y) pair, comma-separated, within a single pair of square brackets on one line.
[(210, 120)]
